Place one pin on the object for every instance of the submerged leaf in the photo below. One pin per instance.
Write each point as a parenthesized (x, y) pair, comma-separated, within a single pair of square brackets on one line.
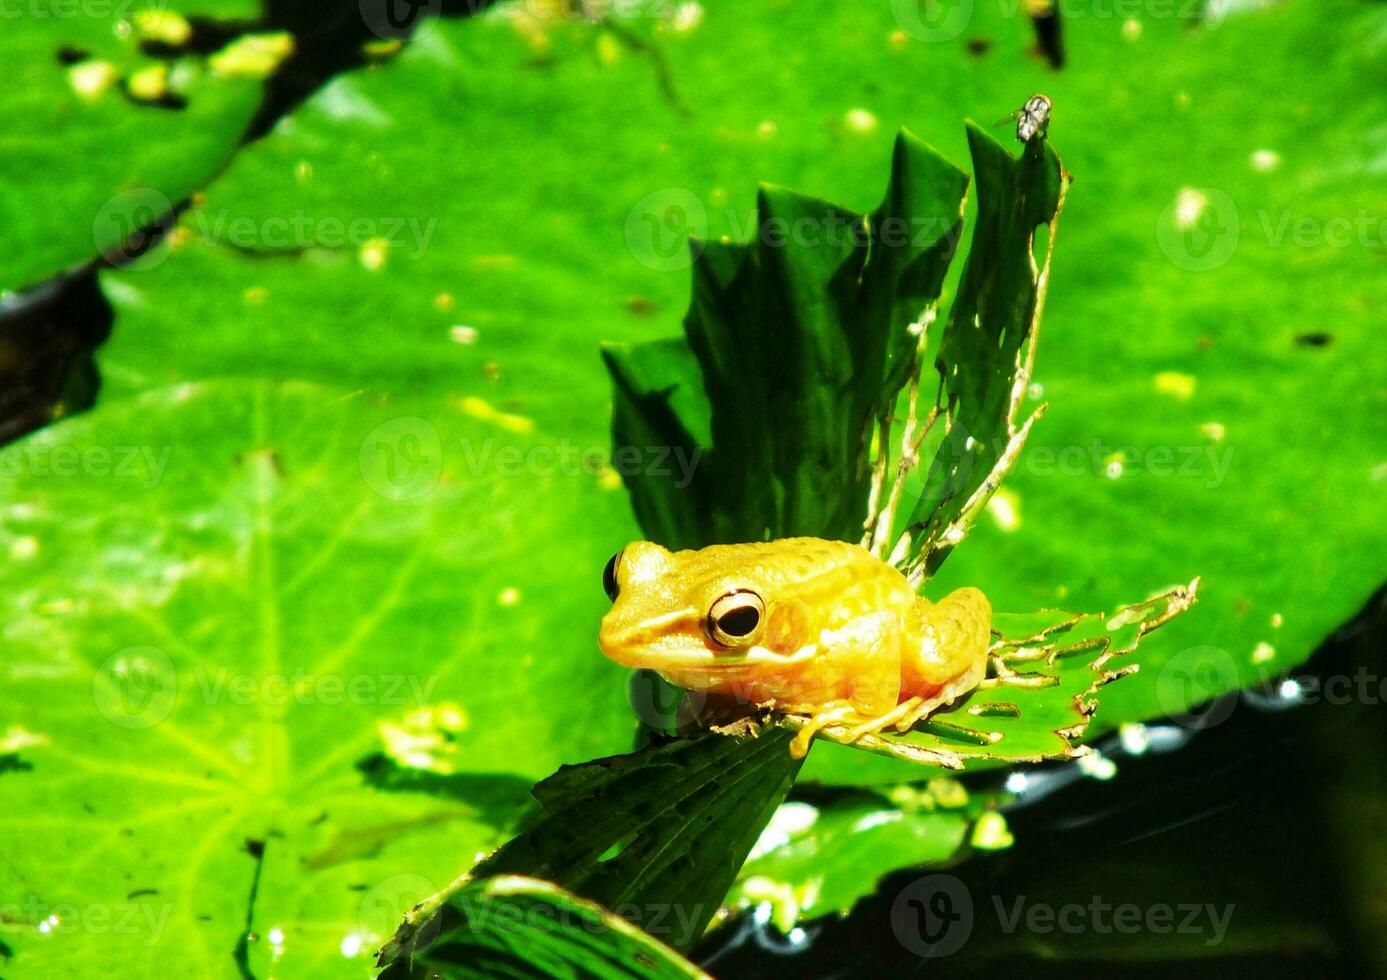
[(816, 860)]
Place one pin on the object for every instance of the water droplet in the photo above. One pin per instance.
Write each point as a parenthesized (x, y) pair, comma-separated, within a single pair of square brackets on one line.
[(1098, 766), (90, 78), (374, 253), (1176, 384), (1005, 509), (1135, 738), (149, 84), (860, 121), (991, 833), (687, 16), (1189, 205)]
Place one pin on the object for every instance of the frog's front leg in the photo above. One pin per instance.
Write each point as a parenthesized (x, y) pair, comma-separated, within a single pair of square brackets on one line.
[(858, 679), (834, 713)]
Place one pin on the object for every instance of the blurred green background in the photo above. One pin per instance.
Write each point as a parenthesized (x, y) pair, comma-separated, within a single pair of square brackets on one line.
[(340, 419)]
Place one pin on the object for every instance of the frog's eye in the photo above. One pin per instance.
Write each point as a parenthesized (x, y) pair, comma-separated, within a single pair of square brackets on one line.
[(609, 577), (735, 619)]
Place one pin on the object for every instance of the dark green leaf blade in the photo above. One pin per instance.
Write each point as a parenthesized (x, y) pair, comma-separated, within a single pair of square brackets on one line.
[(989, 340), (803, 340), (512, 926), (665, 829), (660, 417)]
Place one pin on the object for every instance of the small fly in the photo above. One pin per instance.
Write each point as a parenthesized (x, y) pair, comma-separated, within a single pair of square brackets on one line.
[(1032, 118)]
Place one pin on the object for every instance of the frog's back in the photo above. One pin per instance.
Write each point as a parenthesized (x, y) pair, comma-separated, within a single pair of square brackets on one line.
[(837, 579)]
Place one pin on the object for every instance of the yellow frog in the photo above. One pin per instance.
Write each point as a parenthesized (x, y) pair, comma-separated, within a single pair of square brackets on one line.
[(821, 629)]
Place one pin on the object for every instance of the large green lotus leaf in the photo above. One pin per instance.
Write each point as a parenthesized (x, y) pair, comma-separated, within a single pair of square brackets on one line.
[(360, 243), (1157, 337), (85, 165), (516, 927), (225, 605)]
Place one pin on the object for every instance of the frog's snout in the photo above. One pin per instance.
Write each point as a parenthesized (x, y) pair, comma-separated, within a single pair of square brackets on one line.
[(651, 642), (624, 641)]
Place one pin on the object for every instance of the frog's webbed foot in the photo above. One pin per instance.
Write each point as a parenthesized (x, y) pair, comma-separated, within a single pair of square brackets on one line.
[(832, 714), (848, 726)]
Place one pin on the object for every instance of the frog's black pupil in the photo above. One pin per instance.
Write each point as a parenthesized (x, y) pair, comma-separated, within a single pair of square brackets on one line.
[(609, 577), (740, 621)]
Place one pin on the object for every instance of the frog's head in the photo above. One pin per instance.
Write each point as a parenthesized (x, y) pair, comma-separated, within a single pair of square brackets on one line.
[(699, 611)]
